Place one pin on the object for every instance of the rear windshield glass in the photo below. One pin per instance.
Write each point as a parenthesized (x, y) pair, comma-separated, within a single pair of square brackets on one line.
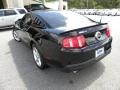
[(64, 19), (21, 11)]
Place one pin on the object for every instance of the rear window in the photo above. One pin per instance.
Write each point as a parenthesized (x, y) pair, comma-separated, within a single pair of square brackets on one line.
[(10, 12), (64, 19), (21, 11), (1, 13)]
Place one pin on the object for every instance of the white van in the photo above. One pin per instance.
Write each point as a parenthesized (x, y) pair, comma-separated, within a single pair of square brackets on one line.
[(9, 16)]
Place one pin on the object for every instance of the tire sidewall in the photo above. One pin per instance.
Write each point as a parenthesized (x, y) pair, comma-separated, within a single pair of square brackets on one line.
[(43, 64), (14, 36)]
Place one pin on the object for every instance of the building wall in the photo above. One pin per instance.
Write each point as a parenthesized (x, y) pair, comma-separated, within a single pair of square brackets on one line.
[(27, 2), (18, 3), (21, 3), (56, 5), (13, 3)]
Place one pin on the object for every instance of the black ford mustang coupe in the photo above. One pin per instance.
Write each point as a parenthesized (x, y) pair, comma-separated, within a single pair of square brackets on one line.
[(63, 39)]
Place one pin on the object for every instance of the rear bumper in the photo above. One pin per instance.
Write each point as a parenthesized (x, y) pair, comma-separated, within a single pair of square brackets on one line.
[(71, 60), (76, 67)]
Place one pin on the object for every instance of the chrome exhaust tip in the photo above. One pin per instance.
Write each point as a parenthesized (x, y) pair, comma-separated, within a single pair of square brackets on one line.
[(75, 72)]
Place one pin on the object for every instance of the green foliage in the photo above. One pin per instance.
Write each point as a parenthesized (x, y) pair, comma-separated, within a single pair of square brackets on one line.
[(94, 4), (50, 0), (98, 4)]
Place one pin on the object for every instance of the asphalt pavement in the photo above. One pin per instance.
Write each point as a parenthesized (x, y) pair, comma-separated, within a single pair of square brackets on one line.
[(18, 71)]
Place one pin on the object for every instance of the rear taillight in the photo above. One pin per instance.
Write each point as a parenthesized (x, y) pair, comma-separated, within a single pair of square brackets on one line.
[(74, 42), (108, 32)]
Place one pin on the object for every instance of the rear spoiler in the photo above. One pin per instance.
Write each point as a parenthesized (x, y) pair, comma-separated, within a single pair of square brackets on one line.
[(85, 29)]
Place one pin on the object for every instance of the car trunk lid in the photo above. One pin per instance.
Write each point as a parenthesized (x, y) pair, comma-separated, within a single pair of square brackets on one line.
[(89, 33)]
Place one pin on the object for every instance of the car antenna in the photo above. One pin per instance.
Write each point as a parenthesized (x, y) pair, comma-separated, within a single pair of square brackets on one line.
[(101, 19)]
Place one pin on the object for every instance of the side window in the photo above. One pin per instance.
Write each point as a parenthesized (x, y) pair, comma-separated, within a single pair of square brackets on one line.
[(10, 12), (1, 13), (39, 22), (21, 11)]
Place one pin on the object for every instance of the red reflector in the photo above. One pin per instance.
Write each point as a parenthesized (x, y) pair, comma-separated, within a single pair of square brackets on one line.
[(108, 32), (74, 42)]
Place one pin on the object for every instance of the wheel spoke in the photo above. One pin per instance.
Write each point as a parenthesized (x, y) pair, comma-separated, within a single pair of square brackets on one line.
[(36, 56), (16, 36)]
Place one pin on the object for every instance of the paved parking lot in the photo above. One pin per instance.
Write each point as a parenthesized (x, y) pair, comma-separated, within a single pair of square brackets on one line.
[(18, 71)]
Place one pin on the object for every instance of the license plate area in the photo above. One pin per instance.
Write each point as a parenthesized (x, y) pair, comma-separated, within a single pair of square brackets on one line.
[(99, 52)]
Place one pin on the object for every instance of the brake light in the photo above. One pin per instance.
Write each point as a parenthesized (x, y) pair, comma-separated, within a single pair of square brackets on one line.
[(74, 42), (108, 32)]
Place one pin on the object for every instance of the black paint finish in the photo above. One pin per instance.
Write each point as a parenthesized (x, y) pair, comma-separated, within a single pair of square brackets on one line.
[(33, 28)]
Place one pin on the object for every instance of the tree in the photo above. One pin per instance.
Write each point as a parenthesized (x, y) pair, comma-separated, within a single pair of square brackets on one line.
[(77, 3), (94, 4)]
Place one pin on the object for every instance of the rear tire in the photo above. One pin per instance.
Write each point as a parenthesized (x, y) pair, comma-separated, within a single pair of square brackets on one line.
[(15, 36), (38, 58)]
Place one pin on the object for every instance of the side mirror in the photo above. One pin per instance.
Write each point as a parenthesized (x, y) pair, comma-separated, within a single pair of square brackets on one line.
[(18, 23), (29, 22)]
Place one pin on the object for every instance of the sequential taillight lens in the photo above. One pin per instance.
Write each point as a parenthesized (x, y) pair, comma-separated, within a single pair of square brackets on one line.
[(74, 42), (108, 32)]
